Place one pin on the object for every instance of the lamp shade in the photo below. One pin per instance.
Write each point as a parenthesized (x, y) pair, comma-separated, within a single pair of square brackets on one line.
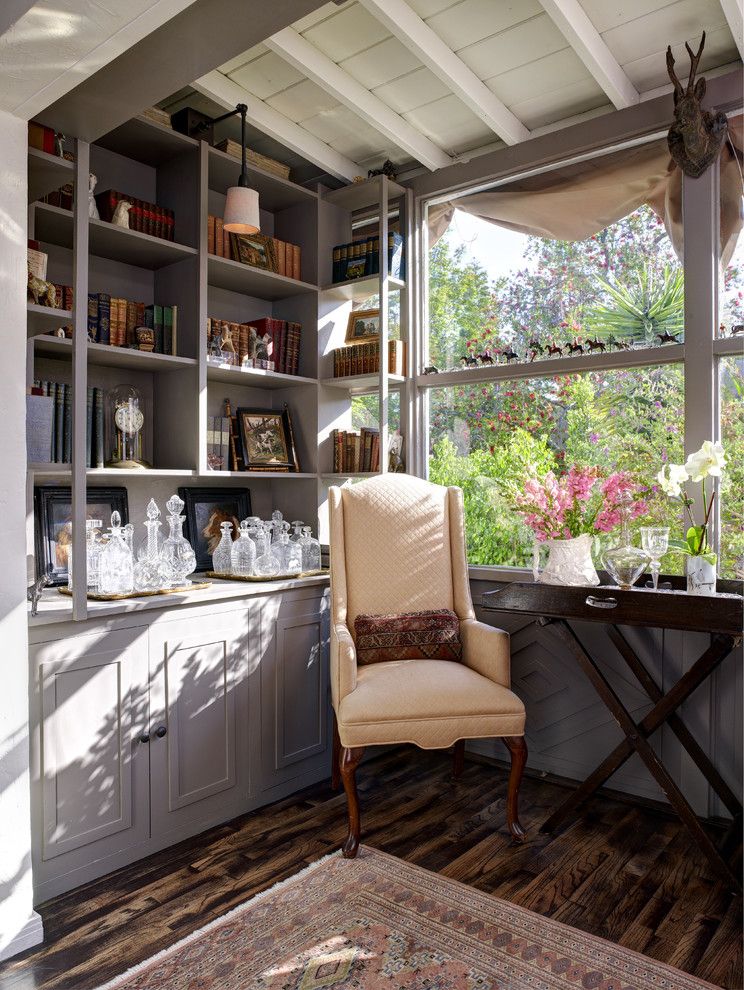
[(241, 211)]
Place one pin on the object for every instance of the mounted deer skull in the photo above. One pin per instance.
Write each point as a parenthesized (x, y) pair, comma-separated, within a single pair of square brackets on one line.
[(696, 135)]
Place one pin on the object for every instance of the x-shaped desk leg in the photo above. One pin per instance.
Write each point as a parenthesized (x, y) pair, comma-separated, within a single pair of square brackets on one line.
[(636, 740)]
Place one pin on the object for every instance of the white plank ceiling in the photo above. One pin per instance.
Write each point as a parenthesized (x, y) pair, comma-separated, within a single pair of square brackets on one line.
[(514, 47)]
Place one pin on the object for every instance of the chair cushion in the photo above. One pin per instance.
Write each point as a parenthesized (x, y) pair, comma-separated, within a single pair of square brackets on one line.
[(430, 703), (433, 635)]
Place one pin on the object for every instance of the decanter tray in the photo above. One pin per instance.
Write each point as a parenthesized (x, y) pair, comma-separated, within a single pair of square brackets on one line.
[(184, 589), (275, 577)]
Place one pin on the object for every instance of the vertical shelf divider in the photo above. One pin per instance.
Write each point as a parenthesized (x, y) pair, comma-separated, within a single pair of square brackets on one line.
[(384, 321), (80, 379)]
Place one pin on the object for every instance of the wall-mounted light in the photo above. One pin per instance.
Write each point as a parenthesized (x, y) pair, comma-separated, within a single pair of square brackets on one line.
[(241, 205)]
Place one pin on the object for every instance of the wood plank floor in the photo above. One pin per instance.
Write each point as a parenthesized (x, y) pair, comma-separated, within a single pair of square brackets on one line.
[(623, 872)]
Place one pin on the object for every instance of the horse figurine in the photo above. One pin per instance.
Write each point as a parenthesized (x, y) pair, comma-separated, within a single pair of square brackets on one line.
[(469, 361), (574, 347), (43, 293), (485, 358), (554, 349), (510, 355), (622, 345), (431, 369), (668, 338), (596, 345)]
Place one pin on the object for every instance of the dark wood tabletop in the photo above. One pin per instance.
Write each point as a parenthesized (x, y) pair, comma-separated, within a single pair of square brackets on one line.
[(671, 608)]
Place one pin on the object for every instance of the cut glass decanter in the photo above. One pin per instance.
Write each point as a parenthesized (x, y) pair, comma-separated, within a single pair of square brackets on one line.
[(288, 555), (116, 565), (149, 572), (178, 558), (310, 550), (243, 553), (222, 556), (93, 548)]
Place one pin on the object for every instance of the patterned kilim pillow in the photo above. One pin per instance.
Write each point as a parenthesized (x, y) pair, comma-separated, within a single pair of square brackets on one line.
[(433, 635)]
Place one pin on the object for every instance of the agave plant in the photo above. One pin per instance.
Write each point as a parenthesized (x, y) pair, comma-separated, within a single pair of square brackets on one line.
[(650, 304)]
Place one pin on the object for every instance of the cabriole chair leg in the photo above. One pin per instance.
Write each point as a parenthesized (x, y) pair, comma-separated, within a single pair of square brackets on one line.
[(518, 752), (336, 757), (458, 759), (347, 764)]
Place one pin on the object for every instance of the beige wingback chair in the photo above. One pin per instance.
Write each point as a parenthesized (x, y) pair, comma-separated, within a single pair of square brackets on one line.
[(398, 545)]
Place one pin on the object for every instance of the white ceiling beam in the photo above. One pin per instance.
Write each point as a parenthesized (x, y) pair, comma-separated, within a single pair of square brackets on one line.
[(734, 14), (228, 94), (413, 32), (306, 58), (573, 23)]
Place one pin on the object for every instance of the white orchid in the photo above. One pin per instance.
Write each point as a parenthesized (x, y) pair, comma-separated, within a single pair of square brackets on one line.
[(671, 478), (709, 460)]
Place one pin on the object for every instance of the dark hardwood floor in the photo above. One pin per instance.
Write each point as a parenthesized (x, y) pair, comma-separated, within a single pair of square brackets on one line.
[(623, 872)]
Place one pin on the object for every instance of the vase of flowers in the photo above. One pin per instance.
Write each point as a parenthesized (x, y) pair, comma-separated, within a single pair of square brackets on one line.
[(700, 565), (566, 513)]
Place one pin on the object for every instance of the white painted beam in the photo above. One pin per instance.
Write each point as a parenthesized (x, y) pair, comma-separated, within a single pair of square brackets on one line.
[(573, 23), (734, 13), (334, 80), (228, 94), (413, 32), (97, 56)]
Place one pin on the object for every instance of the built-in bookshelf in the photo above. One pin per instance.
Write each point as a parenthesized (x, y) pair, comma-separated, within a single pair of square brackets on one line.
[(181, 391)]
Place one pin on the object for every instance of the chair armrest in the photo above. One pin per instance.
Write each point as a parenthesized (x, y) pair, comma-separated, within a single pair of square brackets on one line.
[(343, 663), (486, 650)]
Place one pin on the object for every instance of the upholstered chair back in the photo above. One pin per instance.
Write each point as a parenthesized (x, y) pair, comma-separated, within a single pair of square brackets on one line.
[(397, 545)]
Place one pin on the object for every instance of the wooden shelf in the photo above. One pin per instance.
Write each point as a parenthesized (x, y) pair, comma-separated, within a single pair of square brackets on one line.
[(46, 173), (55, 226), (361, 383), (223, 273), (105, 356), (254, 377), (358, 289), (269, 475), (111, 473), (363, 195), (274, 193), (335, 476), (147, 142), (51, 471), (42, 319)]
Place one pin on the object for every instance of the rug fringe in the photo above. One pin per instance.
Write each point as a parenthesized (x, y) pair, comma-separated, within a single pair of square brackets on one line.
[(117, 981)]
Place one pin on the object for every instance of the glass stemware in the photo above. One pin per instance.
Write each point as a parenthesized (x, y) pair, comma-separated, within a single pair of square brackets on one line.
[(655, 541)]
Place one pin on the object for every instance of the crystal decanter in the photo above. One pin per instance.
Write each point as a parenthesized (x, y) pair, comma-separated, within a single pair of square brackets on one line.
[(116, 565), (624, 562), (258, 535), (177, 556), (277, 525), (222, 556), (93, 548), (310, 549), (243, 553), (149, 574), (288, 555), (297, 526)]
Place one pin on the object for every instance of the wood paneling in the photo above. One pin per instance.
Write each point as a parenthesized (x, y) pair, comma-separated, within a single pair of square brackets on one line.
[(625, 873)]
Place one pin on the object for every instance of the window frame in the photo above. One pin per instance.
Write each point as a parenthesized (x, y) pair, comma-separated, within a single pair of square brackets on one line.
[(699, 354)]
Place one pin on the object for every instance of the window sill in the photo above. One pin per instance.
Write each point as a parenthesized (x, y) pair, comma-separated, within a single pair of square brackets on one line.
[(480, 572)]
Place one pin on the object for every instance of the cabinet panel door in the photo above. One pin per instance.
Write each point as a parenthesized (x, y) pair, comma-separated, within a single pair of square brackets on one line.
[(199, 673), (93, 767)]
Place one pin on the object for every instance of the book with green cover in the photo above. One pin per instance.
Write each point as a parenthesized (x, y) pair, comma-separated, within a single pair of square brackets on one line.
[(89, 428), (168, 330)]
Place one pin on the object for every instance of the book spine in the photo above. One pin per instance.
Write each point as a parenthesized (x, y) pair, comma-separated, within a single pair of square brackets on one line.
[(104, 318), (174, 330), (67, 428), (98, 426), (219, 237), (210, 443), (167, 330), (89, 428), (280, 249), (131, 324), (210, 233), (158, 318), (336, 264), (59, 422), (140, 318), (51, 391), (296, 262), (225, 444), (92, 316)]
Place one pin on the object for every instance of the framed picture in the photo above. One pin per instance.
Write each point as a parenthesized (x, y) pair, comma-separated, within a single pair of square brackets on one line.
[(53, 517), (256, 250), (206, 509), (267, 440), (364, 324)]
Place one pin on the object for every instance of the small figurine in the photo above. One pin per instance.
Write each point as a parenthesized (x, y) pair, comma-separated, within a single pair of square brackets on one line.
[(485, 358), (431, 369), (145, 338), (121, 214), (43, 293), (596, 345), (553, 348), (33, 594), (387, 169), (510, 355), (469, 361), (92, 205), (668, 338), (737, 328), (226, 343), (574, 347), (536, 347), (622, 345)]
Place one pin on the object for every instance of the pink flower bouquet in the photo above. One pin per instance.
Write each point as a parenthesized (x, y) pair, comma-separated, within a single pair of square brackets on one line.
[(580, 501)]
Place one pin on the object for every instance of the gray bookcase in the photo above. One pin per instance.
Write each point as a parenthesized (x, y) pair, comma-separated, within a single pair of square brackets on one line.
[(159, 165)]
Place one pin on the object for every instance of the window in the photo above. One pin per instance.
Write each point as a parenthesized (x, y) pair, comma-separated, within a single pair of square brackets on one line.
[(731, 513)]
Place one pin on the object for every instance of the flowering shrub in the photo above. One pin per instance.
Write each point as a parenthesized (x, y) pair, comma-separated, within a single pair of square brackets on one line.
[(579, 502)]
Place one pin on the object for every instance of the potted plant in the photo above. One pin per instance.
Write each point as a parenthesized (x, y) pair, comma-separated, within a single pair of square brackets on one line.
[(566, 513), (700, 565)]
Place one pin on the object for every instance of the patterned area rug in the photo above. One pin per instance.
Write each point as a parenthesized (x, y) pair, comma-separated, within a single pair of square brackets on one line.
[(376, 922)]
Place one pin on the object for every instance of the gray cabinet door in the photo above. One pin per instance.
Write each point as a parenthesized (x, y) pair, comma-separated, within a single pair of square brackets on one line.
[(294, 689), (199, 696), (92, 768)]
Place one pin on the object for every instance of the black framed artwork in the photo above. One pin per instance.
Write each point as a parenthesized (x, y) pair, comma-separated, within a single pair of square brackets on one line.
[(53, 523), (267, 440), (206, 509)]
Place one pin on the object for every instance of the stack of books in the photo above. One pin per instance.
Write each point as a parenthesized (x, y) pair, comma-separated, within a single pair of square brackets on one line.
[(356, 453), (266, 164), (59, 440), (284, 258), (116, 321), (364, 359), (146, 218), (360, 258)]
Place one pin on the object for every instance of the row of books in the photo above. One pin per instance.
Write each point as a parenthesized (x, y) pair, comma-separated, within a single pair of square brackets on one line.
[(359, 258), (364, 359), (49, 424), (123, 323), (147, 218), (233, 343), (279, 340), (218, 443), (356, 453), (257, 250)]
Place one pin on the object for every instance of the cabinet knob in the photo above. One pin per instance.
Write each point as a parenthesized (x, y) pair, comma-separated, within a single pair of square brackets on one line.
[(145, 737), (160, 731)]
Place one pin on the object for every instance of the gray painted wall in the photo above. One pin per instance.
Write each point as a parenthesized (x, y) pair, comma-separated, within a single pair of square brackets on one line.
[(569, 730)]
